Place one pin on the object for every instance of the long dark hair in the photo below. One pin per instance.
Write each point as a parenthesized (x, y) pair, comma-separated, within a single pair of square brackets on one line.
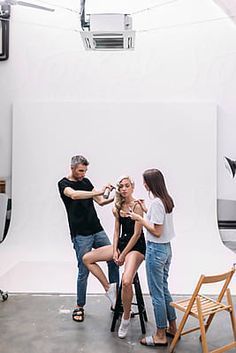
[(156, 184)]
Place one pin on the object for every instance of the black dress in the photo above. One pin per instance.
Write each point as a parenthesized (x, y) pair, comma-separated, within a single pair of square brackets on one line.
[(126, 232)]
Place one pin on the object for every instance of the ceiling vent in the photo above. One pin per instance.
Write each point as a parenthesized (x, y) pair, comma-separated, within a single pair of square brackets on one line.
[(108, 32)]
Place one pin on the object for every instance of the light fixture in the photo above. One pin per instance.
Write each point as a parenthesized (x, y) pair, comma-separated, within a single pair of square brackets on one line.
[(230, 166), (106, 31)]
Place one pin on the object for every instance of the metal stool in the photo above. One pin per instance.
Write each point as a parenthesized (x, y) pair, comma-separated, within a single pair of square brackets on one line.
[(140, 304)]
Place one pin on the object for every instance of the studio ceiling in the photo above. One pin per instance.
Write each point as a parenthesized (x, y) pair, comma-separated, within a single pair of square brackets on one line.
[(229, 7)]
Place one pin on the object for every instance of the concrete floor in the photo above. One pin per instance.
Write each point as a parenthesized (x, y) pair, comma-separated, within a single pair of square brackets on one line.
[(43, 324)]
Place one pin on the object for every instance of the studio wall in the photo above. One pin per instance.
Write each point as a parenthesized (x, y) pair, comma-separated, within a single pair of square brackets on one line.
[(185, 51), (117, 138)]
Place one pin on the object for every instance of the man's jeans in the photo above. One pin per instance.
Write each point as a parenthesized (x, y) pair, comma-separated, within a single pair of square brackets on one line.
[(82, 245), (158, 258)]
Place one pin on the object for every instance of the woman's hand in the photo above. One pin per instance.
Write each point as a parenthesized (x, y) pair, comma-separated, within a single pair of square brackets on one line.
[(136, 217), (116, 254), (121, 260), (141, 202)]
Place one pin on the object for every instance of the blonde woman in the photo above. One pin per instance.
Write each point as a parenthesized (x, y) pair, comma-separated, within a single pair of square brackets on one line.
[(128, 249)]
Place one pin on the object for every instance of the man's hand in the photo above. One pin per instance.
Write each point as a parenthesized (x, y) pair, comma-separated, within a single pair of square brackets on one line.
[(104, 199), (100, 192), (110, 186)]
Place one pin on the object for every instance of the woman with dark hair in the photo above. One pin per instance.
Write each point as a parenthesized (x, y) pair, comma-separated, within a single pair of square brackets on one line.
[(159, 232), (128, 249)]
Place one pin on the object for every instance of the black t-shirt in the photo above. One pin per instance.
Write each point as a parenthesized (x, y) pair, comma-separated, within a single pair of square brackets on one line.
[(82, 216)]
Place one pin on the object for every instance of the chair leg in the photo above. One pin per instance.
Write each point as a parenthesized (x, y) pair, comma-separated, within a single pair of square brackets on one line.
[(178, 332), (208, 322), (117, 309), (232, 312), (202, 327)]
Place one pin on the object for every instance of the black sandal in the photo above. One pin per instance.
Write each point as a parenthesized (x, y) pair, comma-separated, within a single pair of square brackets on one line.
[(78, 315)]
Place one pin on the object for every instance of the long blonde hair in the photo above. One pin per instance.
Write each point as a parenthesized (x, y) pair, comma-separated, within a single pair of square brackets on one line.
[(119, 199)]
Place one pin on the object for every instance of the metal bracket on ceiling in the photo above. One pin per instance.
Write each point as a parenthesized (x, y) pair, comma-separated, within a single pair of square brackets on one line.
[(84, 23), (5, 13)]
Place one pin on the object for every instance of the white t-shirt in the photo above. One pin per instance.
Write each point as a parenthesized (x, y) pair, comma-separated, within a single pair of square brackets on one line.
[(157, 215)]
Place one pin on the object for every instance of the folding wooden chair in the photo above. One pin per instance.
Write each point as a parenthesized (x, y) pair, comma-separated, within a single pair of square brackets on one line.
[(204, 309)]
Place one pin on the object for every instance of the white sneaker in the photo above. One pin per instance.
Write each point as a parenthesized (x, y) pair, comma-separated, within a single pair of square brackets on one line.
[(111, 294), (124, 327)]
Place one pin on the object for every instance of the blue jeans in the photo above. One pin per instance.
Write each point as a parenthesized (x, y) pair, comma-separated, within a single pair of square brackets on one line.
[(83, 244), (158, 259)]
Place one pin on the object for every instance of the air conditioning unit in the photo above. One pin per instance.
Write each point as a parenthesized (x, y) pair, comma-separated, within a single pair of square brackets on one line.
[(108, 32)]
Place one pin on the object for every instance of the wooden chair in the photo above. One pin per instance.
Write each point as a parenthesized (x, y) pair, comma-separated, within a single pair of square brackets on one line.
[(204, 309)]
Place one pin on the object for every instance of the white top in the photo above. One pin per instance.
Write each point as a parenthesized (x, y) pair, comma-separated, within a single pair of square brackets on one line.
[(157, 215)]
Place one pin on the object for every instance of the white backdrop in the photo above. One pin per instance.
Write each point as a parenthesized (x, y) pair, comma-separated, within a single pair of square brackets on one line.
[(117, 138)]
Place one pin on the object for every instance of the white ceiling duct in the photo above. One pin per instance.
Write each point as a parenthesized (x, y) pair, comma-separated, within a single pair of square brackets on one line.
[(108, 31)]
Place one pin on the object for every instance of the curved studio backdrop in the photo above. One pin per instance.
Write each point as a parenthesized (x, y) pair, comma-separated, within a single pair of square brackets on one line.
[(117, 139)]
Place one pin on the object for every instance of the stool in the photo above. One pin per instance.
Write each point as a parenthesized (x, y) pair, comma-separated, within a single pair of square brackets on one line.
[(140, 304)]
